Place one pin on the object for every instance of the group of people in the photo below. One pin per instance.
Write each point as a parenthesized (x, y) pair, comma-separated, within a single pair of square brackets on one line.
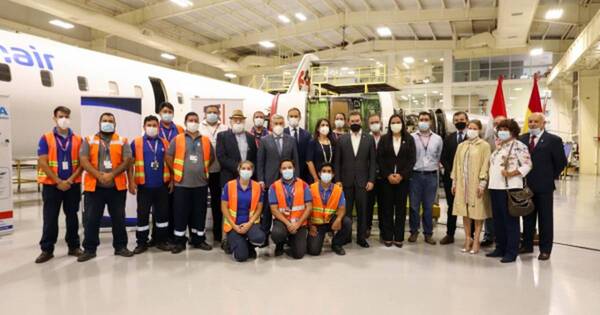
[(293, 187)]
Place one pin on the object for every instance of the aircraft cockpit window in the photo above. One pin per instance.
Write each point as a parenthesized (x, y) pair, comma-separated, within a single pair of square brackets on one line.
[(82, 83), (137, 90), (5, 72), (179, 98), (113, 88), (46, 78)]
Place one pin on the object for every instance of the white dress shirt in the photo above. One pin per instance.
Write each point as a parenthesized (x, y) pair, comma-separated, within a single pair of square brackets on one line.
[(211, 132), (397, 144), (536, 139), (355, 137)]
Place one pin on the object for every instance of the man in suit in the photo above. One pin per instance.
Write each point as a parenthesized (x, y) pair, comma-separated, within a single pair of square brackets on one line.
[(273, 149), (234, 146), (375, 195), (302, 138), (548, 158), (451, 142), (355, 159)]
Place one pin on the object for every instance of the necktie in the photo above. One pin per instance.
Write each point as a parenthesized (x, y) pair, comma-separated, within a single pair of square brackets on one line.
[(296, 134), (460, 137), (532, 144), (279, 146)]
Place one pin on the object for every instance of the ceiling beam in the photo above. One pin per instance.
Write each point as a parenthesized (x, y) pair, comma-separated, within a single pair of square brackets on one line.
[(165, 9), (127, 31), (355, 19)]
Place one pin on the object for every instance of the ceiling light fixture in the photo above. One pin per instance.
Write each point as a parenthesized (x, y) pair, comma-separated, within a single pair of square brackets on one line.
[(384, 31), (441, 59), (300, 16), (230, 75), (425, 60), (408, 60), (554, 14), (284, 18), (536, 51), (183, 3), (517, 89), (62, 24), (167, 56), (266, 44)]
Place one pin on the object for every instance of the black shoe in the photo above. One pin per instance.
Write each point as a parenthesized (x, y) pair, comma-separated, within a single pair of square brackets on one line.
[(363, 244), (44, 257), (507, 259), (398, 244), (413, 237), (388, 243), (429, 240), (495, 254), (225, 247), (151, 243), (544, 256), (177, 248), (252, 253), (140, 249), (265, 244), (165, 247), (524, 250), (338, 250), (486, 243), (75, 252), (86, 256), (203, 246), (124, 252), (279, 250), (447, 240)]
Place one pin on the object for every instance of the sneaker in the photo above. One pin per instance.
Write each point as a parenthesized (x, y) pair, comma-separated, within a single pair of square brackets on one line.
[(413, 237), (447, 240), (44, 257), (140, 249), (86, 256), (123, 252)]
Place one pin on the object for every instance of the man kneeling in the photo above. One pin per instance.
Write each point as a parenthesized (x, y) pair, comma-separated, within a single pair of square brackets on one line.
[(328, 209), (241, 204)]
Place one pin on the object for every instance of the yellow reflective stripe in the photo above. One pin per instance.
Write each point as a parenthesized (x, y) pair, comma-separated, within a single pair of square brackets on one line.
[(139, 174), (178, 161), (178, 172), (52, 163), (139, 163)]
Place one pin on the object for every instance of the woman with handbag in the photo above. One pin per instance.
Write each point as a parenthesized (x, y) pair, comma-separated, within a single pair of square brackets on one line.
[(469, 182), (509, 164)]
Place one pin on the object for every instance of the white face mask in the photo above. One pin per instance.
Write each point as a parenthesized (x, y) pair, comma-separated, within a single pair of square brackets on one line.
[(376, 127), (212, 118), (503, 135), (245, 174), (535, 131), (287, 174), (326, 177), (294, 122), (237, 128), (396, 127), (324, 130), (107, 127), (63, 122), (151, 132), (167, 117), (192, 126), (259, 122), (423, 125), (472, 134), (278, 130), (339, 123)]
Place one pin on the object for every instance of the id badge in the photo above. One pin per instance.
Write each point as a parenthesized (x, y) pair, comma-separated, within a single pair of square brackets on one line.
[(154, 165), (108, 164), (194, 158), (65, 166)]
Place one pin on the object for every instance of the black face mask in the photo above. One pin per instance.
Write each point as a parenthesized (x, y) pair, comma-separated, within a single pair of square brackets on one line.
[(460, 125), (355, 127)]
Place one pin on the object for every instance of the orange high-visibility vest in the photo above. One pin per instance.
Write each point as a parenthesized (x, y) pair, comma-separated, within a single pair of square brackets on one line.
[(42, 177), (321, 214), (138, 168), (116, 158), (233, 202), (179, 158), (298, 206)]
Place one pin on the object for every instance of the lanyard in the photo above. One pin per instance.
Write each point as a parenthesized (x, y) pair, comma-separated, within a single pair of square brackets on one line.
[(214, 132), (290, 195), (106, 149), (154, 150), (330, 153), (323, 193), (63, 147), (167, 137), (423, 144)]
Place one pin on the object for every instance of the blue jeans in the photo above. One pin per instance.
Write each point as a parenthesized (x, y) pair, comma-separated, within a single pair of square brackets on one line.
[(241, 245), (423, 190)]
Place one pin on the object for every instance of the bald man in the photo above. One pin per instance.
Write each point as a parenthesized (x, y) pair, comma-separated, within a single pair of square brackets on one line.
[(548, 158)]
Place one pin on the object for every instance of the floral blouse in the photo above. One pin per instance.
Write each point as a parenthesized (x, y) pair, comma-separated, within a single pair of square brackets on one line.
[(519, 159)]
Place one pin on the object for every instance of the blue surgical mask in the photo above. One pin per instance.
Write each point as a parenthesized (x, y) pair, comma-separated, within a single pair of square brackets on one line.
[(503, 135), (107, 127), (326, 177), (212, 118), (245, 174), (423, 125), (288, 174), (535, 131)]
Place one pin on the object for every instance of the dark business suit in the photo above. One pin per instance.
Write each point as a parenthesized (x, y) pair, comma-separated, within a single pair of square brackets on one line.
[(549, 160), (447, 160), (228, 154), (392, 211), (267, 168), (354, 172), (375, 195), (302, 147)]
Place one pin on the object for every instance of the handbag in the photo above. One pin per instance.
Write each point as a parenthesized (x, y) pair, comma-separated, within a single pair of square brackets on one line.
[(519, 200)]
